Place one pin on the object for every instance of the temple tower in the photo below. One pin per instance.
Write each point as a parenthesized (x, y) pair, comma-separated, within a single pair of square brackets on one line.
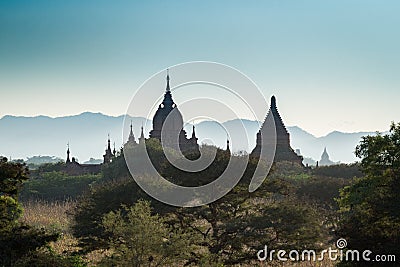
[(325, 160), (108, 153), (68, 152), (283, 151), (131, 138), (228, 149), (141, 138), (168, 121)]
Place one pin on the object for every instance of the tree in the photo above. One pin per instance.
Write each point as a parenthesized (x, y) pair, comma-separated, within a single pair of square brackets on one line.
[(101, 200), (16, 239), (370, 207), (228, 231), (139, 238), (20, 243), (235, 227), (54, 185)]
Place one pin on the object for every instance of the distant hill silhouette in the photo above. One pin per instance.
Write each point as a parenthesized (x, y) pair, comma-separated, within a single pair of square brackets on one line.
[(24, 137)]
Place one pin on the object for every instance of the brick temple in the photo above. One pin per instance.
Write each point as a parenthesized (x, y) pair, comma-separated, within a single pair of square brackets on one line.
[(284, 151)]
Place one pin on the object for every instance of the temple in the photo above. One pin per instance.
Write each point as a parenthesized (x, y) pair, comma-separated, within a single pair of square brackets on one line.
[(108, 153), (72, 167), (227, 145), (168, 125), (325, 160), (131, 137), (167, 128), (284, 151)]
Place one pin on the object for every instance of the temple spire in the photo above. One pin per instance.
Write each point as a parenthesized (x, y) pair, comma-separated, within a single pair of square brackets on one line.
[(167, 101), (141, 138), (168, 89), (108, 155), (131, 133), (193, 132), (68, 160), (109, 143), (273, 102), (131, 138)]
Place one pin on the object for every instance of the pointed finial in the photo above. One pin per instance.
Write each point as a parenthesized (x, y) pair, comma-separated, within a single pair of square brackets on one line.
[(193, 131), (273, 101), (131, 132), (68, 152), (109, 143), (168, 88), (227, 143)]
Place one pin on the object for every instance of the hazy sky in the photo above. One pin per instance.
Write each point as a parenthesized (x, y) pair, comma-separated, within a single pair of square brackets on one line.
[(333, 65)]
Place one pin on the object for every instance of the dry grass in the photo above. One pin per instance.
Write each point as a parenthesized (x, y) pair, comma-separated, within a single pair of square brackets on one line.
[(48, 215), (52, 216)]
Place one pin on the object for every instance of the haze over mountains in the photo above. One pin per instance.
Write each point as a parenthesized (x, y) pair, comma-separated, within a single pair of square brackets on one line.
[(24, 137)]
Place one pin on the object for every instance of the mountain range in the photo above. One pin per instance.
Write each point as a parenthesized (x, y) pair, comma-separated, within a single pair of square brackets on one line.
[(87, 135)]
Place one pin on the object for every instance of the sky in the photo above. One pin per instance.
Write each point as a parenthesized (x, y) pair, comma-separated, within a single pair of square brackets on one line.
[(333, 65)]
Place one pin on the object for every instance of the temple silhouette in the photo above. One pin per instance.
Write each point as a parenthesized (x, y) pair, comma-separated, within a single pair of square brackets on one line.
[(168, 129), (325, 160), (168, 125), (283, 151)]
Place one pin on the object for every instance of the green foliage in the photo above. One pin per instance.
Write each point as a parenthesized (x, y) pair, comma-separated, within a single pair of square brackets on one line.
[(16, 239), (322, 190), (381, 153), (209, 174), (12, 175), (22, 241), (228, 231), (139, 238), (57, 186), (236, 226), (347, 171), (50, 167), (370, 207), (290, 210), (115, 170), (46, 258), (10, 212), (102, 199)]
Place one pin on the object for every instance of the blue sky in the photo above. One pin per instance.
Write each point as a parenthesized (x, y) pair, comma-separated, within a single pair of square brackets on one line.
[(333, 65)]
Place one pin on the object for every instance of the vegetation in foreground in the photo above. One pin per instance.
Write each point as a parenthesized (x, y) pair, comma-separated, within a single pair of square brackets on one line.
[(114, 223)]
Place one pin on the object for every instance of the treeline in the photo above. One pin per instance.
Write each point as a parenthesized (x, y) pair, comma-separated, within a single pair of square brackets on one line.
[(295, 208)]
